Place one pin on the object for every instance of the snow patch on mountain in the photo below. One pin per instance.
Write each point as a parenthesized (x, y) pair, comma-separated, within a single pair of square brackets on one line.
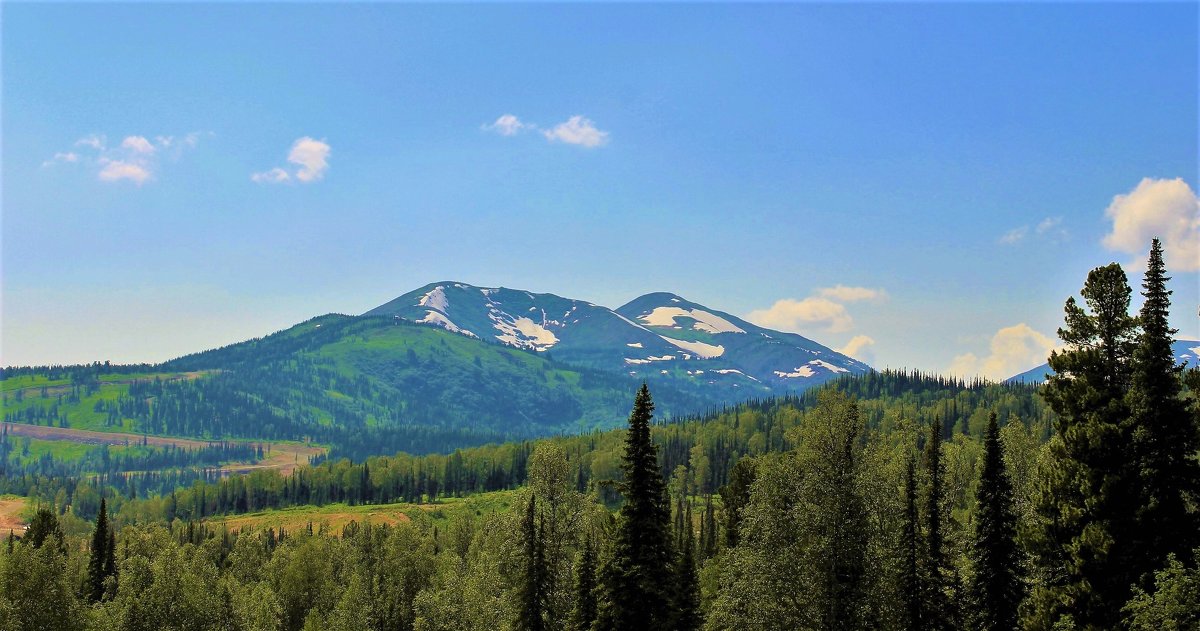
[(522, 332), (435, 299), (634, 345), (707, 351), (705, 321), (437, 319), (827, 366), (801, 371)]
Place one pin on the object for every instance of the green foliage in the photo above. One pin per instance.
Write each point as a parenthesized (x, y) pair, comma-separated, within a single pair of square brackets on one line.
[(637, 577), (996, 588), (1163, 434), (1174, 603)]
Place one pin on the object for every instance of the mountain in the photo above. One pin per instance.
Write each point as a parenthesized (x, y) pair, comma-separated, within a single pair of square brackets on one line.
[(446, 366), (659, 337), (1186, 351)]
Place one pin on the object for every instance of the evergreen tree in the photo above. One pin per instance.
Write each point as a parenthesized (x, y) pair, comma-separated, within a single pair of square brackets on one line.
[(687, 596), (99, 555), (1163, 435), (936, 606), (585, 589), (1084, 505), (996, 585), (910, 577), (637, 579), (708, 531), (532, 590), (44, 526), (735, 496)]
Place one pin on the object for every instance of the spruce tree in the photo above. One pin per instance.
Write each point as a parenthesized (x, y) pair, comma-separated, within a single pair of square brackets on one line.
[(936, 606), (687, 596), (99, 555), (996, 585), (531, 592), (1086, 499), (910, 577), (1163, 435), (637, 579), (585, 589)]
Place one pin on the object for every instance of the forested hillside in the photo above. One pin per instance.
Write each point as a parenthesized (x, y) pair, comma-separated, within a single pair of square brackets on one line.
[(888, 500)]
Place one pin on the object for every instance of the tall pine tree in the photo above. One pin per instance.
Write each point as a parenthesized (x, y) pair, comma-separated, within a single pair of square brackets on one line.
[(1086, 498), (1163, 435), (532, 589), (637, 579), (910, 576), (585, 589), (996, 586), (687, 596), (100, 555), (936, 614)]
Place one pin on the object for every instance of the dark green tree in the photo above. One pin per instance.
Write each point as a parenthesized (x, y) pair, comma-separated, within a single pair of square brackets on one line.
[(996, 585), (910, 572), (735, 496), (45, 527), (532, 590), (585, 589), (1086, 499), (937, 572), (637, 579), (1163, 433), (687, 596), (99, 555)]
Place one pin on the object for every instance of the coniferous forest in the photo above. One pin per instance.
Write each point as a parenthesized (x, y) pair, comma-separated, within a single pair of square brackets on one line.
[(890, 500)]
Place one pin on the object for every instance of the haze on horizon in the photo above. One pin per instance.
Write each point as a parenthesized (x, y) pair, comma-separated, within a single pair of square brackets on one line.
[(924, 184)]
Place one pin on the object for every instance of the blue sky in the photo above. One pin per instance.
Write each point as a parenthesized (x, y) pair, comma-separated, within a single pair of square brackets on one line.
[(960, 165)]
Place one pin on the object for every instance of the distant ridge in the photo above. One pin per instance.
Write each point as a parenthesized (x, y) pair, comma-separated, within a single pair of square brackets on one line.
[(1186, 351), (656, 336)]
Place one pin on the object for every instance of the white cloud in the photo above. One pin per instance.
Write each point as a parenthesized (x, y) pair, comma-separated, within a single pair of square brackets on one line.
[(577, 130), (859, 348), (790, 314), (115, 170), (1048, 224), (137, 144), (1012, 350), (135, 159), (1050, 228), (312, 156), (842, 293), (1167, 209), (274, 176), (1014, 236), (95, 141), (68, 156), (508, 125)]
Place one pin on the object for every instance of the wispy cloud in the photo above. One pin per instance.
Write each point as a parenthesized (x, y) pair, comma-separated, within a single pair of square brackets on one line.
[(274, 176), (577, 130), (1012, 350), (508, 125), (116, 170), (1167, 209), (1050, 228), (843, 293), (311, 157), (137, 144), (135, 159)]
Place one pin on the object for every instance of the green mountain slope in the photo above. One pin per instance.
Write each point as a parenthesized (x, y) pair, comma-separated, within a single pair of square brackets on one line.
[(361, 384)]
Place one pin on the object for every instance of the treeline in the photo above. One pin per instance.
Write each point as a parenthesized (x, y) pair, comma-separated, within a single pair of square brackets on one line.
[(707, 446), (16, 462)]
